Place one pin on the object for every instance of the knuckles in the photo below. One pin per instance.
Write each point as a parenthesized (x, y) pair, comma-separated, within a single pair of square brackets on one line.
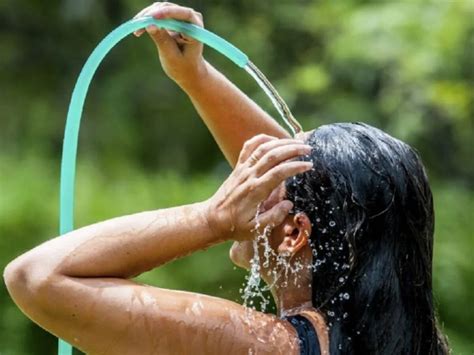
[(271, 158), (252, 184)]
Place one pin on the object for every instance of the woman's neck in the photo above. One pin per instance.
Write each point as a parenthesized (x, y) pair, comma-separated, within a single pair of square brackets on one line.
[(296, 298), (291, 290), (292, 299)]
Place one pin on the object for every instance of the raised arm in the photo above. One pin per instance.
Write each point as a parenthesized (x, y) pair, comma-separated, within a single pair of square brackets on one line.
[(77, 286), (230, 115)]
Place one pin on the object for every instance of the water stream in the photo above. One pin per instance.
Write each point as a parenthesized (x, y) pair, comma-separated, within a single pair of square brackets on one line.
[(276, 99)]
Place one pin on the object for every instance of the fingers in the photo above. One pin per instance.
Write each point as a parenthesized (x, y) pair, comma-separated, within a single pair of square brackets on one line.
[(161, 10), (276, 215), (250, 145), (266, 160), (178, 13), (276, 154), (144, 13), (273, 177), (163, 40), (267, 147), (256, 147)]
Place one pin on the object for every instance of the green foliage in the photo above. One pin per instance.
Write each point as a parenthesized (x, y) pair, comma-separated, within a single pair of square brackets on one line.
[(403, 66)]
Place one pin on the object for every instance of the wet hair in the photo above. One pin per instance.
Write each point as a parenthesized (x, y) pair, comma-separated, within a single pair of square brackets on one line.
[(371, 210)]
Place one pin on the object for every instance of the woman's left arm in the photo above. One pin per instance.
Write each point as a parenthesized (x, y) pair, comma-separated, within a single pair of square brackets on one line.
[(76, 286)]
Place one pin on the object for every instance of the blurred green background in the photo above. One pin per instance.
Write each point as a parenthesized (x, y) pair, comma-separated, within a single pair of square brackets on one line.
[(406, 67)]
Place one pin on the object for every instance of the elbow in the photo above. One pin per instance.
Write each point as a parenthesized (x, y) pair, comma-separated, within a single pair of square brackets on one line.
[(25, 281), (17, 280), (15, 277)]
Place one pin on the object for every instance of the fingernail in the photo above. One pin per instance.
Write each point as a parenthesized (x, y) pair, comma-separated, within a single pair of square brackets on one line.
[(287, 205)]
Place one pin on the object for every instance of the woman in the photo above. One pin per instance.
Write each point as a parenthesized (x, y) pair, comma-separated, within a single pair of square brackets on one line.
[(351, 236)]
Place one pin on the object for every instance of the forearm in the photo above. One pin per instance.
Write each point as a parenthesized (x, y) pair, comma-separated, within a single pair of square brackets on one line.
[(230, 115), (124, 246)]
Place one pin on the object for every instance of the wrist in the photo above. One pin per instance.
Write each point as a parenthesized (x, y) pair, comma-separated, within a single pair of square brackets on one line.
[(215, 222), (194, 78)]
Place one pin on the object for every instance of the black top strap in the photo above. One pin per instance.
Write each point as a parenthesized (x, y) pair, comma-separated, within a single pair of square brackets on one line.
[(309, 343)]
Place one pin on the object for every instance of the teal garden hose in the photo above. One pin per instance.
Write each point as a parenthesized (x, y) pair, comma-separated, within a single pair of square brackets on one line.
[(71, 135)]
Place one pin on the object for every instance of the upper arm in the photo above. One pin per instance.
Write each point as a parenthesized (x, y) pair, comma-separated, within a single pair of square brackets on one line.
[(117, 316)]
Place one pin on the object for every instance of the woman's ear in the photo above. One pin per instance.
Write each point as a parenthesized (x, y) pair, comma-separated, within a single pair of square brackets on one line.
[(296, 234)]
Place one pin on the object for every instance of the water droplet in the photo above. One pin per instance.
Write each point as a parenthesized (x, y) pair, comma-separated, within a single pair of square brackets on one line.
[(341, 279), (346, 296), (332, 223)]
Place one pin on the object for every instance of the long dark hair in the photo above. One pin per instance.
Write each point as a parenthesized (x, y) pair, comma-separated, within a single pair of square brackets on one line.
[(371, 208)]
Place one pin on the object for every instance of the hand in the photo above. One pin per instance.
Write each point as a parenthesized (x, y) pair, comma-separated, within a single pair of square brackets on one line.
[(264, 163), (180, 56)]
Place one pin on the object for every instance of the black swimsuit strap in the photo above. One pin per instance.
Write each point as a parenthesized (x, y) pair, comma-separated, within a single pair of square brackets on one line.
[(309, 343)]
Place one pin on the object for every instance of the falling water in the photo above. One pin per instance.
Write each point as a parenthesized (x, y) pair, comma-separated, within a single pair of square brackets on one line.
[(252, 289), (276, 99)]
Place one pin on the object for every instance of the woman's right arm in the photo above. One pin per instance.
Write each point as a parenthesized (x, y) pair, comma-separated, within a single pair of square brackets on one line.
[(231, 116)]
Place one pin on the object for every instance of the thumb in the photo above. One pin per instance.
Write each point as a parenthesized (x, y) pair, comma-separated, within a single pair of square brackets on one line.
[(277, 214), (163, 41)]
